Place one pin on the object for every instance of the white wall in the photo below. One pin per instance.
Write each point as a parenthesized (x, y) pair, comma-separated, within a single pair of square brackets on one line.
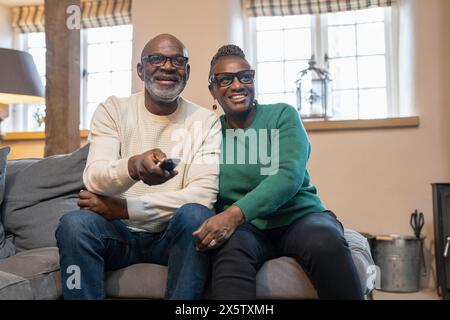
[(6, 32), (202, 25)]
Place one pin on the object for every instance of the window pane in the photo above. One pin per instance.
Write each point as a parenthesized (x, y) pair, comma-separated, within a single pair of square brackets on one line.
[(373, 104), (99, 57), (345, 104), (291, 98), (269, 23), (341, 41), (344, 74), (291, 70), (99, 86), (121, 83), (122, 33), (372, 72), (297, 44), (340, 18), (270, 77), (271, 98), (36, 39), (270, 45), (39, 59), (90, 111), (370, 15), (121, 55), (297, 21), (371, 38), (96, 35)]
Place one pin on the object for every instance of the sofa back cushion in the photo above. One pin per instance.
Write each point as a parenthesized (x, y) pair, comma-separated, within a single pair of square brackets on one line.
[(37, 193), (6, 246)]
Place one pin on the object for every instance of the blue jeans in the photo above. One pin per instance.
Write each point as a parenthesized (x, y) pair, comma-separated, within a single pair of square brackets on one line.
[(89, 245)]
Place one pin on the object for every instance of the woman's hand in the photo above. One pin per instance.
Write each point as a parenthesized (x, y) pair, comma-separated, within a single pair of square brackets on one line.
[(218, 229), (110, 208)]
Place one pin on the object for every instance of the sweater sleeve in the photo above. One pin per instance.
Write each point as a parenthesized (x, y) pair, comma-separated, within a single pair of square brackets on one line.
[(105, 172), (276, 189), (201, 186)]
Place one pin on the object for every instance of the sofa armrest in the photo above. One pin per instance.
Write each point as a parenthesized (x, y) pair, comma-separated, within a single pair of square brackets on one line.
[(362, 257)]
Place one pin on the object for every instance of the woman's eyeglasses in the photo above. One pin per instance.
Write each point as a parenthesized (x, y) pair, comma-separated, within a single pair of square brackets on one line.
[(159, 60), (226, 79)]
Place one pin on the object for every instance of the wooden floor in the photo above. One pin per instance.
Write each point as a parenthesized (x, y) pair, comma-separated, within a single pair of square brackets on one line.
[(426, 294)]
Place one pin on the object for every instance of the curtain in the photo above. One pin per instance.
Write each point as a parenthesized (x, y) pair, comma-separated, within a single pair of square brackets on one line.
[(94, 13), (257, 8)]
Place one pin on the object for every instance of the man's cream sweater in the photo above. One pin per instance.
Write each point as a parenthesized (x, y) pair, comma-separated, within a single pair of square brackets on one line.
[(123, 127)]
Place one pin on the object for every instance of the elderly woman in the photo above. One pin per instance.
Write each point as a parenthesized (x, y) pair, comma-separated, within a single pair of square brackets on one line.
[(266, 210)]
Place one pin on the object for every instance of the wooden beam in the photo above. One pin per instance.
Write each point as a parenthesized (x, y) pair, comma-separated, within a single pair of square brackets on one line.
[(62, 120)]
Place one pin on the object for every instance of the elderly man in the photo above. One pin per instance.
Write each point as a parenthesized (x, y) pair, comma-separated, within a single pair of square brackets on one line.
[(135, 208)]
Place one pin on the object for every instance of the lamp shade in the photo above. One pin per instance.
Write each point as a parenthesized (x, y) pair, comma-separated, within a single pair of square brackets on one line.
[(19, 78)]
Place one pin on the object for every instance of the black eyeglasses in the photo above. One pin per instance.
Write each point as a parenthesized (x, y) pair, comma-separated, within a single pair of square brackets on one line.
[(226, 79), (158, 60)]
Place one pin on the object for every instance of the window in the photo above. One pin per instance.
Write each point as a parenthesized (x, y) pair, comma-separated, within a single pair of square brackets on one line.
[(105, 67), (354, 46)]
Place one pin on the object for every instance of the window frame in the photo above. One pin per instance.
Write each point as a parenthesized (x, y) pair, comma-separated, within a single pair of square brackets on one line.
[(84, 76), (319, 36)]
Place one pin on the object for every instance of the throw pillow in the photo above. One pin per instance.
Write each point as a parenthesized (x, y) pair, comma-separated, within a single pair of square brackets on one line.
[(38, 192), (6, 246)]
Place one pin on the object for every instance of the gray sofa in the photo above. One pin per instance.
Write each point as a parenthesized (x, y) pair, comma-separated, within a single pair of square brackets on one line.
[(35, 193)]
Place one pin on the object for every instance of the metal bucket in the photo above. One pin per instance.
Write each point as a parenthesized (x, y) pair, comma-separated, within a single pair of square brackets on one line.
[(399, 260)]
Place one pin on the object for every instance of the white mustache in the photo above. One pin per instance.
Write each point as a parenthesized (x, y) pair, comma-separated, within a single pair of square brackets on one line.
[(154, 76)]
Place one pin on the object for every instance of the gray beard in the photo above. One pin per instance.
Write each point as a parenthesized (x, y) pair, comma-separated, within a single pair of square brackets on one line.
[(162, 94)]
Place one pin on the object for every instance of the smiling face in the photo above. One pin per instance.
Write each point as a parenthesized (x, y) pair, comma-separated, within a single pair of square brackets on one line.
[(164, 82), (237, 97)]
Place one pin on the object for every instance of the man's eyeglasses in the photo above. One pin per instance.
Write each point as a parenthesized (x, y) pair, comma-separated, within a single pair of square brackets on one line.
[(226, 79), (158, 60)]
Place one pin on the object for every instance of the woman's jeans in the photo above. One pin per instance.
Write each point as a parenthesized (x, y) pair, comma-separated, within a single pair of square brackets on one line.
[(89, 245), (316, 241)]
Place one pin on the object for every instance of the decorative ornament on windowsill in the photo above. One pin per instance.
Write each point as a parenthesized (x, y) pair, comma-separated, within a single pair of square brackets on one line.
[(19, 81), (313, 89), (39, 116)]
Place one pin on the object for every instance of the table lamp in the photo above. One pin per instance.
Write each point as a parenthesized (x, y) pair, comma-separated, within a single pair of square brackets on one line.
[(19, 80)]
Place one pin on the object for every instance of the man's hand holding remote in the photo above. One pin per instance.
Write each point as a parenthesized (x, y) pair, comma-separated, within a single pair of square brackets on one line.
[(149, 167)]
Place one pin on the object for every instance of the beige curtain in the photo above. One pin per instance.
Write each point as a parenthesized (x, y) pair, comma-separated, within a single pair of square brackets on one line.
[(256, 8), (94, 13)]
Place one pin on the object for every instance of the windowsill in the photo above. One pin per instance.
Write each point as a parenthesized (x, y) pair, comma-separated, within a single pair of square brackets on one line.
[(310, 126), (338, 125), (33, 135)]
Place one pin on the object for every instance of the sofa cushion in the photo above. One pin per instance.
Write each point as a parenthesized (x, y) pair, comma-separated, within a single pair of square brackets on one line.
[(40, 267), (37, 193), (13, 287), (281, 278), (6, 246), (144, 280)]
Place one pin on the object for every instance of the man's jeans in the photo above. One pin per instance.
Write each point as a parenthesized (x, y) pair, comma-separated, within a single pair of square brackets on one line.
[(90, 244)]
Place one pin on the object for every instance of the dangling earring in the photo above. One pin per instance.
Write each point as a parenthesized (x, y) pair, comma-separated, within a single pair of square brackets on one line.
[(255, 103)]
